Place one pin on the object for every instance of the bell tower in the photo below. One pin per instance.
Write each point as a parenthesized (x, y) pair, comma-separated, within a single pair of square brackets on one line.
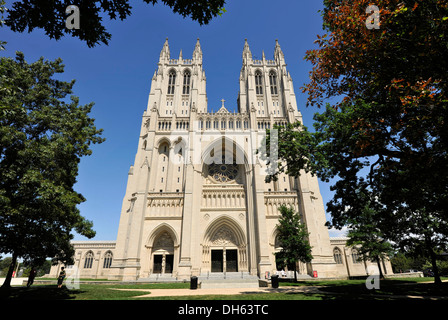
[(178, 84), (266, 86)]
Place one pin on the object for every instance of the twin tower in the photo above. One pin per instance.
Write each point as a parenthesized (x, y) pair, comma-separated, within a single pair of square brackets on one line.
[(196, 201)]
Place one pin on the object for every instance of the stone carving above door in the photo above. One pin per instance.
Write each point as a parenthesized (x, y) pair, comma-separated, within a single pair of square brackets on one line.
[(223, 237)]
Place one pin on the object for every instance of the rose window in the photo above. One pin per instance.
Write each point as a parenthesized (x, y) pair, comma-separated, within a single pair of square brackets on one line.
[(223, 172)]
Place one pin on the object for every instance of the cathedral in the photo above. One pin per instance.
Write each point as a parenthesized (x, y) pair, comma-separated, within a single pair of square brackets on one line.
[(196, 202)]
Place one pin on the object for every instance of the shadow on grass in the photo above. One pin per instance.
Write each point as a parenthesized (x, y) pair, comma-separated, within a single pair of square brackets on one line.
[(41, 292), (302, 290), (390, 290)]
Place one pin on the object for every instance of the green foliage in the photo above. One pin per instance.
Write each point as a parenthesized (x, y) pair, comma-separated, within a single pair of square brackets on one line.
[(441, 265), (402, 261), (42, 269), (293, 238), (42, 139), (369, 240), (4, 266)]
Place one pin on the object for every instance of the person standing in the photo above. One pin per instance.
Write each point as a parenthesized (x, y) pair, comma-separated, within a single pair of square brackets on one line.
[(61, 277), (31, 277)]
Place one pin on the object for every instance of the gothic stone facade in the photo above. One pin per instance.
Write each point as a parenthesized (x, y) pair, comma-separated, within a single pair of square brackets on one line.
[(196, 200)]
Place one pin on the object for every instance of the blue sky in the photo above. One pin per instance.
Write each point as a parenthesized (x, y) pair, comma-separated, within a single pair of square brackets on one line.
[(117, 78)]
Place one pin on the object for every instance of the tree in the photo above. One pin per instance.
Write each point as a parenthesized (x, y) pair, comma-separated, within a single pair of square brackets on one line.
[(4, 266), (43, 136), (388, 133), (414, 258), (368, 238), (42, 269), (293, 238), (50, 16)]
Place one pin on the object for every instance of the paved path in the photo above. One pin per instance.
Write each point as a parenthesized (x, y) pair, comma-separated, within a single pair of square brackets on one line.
[(235, 291), (218, 291), (14, 281)]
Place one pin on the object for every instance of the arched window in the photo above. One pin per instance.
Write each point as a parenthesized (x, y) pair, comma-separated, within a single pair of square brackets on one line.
[(258, 82), (355, 256), (337, 256), (88, 262), (107, 260), (171, 81), (273, 82), (186, 88)]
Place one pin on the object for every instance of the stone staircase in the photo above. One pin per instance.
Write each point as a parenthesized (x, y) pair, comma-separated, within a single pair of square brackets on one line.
[(228, 280), (159, 277)]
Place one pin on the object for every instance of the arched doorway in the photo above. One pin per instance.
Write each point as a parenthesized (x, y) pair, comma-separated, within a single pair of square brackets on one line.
[(224, 251), (224, 247), (163, 250), (163, 254)]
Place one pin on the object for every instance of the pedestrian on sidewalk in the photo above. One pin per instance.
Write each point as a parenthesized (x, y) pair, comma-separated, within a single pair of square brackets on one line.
[(61, 277), (31, 277)]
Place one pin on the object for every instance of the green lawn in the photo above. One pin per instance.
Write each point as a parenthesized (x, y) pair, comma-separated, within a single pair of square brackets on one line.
[(329, 290)]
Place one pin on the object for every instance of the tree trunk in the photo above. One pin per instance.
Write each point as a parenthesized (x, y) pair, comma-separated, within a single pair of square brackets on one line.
[(378, 261), (295, 273), (433, 257), (12, 266)]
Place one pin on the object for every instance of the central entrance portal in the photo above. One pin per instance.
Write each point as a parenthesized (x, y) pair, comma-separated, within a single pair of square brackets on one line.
[(163, 263), (225, 260)]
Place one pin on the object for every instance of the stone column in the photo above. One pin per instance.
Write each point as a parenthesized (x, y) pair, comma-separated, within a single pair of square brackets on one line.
[(251, 229)]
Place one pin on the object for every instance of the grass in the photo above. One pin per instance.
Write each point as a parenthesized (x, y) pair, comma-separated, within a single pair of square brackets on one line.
[(390, 289), (400, 288)]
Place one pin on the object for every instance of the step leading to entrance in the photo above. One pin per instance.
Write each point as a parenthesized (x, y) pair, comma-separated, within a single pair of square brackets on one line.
[(159, 277), (226, 275), (229, 283), (228, 280)]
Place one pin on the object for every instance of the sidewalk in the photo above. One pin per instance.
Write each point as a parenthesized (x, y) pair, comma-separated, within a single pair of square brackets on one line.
[(218, 291), (235, 291), (14, 281)]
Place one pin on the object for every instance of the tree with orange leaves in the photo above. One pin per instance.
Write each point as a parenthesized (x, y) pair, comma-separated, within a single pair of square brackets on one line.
[(386, 139)]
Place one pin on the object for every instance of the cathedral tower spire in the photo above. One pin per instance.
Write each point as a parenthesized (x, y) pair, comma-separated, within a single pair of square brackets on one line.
[(197, 53), (278, 53), (165, 53), (247, 55)]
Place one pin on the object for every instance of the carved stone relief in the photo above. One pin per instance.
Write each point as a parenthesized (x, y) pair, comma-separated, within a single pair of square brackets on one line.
[(164, 241), (223, 237)]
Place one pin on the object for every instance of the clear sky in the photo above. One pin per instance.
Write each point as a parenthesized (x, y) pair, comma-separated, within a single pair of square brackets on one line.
[(117, 78)]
